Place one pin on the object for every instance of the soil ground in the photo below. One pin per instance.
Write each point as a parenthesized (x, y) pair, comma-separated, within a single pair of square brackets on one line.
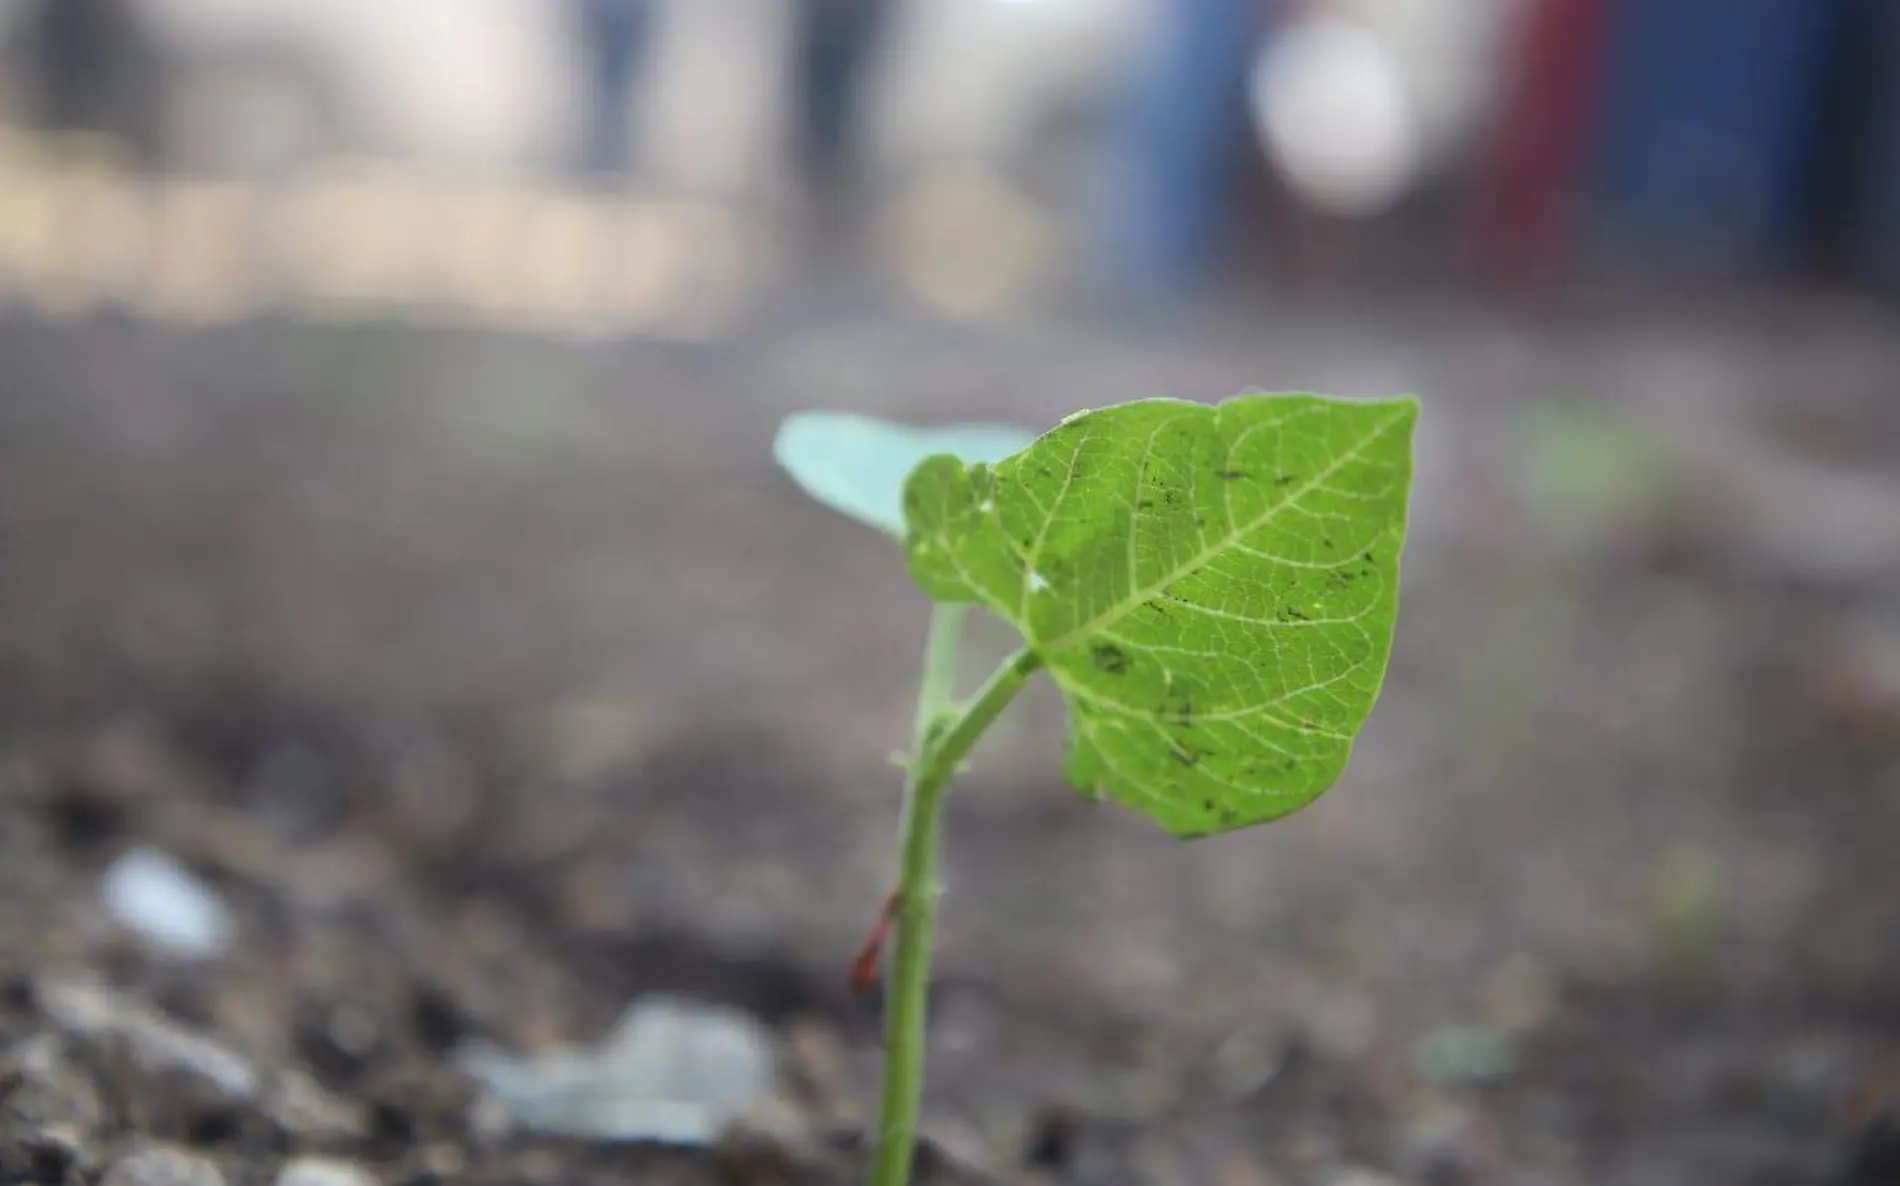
[(496, 683)]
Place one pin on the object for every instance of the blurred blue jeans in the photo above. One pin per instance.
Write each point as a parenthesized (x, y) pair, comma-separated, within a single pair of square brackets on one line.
[(1181, 146), (836, 43), (613, 36)]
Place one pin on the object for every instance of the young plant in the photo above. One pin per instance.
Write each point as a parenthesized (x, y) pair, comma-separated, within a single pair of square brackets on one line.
[(1212, 588)]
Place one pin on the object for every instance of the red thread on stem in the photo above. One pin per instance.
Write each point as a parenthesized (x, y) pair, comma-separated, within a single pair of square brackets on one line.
[(865, 967)]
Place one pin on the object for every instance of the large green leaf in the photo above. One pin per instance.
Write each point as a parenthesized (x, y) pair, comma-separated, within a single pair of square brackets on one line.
[(856, 465), (1213, 588)]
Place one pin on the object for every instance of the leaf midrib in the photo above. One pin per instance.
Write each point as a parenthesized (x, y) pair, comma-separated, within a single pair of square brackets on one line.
[(1194, 563)]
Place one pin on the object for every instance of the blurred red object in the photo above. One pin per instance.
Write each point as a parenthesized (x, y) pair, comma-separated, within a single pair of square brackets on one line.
[(1529, 189)]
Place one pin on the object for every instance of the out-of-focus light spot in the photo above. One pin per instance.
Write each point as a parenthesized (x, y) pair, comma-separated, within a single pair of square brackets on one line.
[(202, 236), (968, 246), (1333, 114)]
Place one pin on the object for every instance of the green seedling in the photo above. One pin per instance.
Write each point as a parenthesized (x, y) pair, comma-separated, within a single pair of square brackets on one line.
[(1212, 588)]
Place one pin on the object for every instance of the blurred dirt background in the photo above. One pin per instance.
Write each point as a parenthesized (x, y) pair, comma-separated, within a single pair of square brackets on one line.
[(493, 684)]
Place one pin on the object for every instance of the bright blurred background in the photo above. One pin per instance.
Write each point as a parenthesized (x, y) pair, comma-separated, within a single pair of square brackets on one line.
[(987, 159), (388, 534)]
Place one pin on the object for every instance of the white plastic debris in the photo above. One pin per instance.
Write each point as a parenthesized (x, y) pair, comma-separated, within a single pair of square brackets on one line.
[(163, 1165), (670, 1072), (148, 892)]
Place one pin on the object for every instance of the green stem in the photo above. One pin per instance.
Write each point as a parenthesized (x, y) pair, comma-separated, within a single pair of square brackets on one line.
[(939, 687), (907, 997)]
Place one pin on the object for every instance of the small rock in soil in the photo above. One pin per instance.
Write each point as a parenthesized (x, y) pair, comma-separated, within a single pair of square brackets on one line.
[(305, 1107), (1520, 993), (1438, 1140), (161, 1048), (324, 1171), (42, 1092), (1054, 1138), (156, 1042), (1073, 1147), (54, 1154), (759, 1158), (1250, 1058), (1362, 1177), (297, 790), (932, 1164), (1464, 1055), (162, 1165), (820, 1061)]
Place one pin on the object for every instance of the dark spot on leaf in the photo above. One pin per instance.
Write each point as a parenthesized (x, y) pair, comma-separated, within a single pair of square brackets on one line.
[(1289, 614), (1109, 658), (1368, 557), (1283, 480), (1329, 544), (1156, 607), (1228, 815), (1186, 757), (1207, 805), (1144, 504), (1045, 471), (1231, 475)]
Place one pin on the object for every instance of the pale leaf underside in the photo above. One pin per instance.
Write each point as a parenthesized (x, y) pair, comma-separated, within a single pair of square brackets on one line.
[(857, 465)]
